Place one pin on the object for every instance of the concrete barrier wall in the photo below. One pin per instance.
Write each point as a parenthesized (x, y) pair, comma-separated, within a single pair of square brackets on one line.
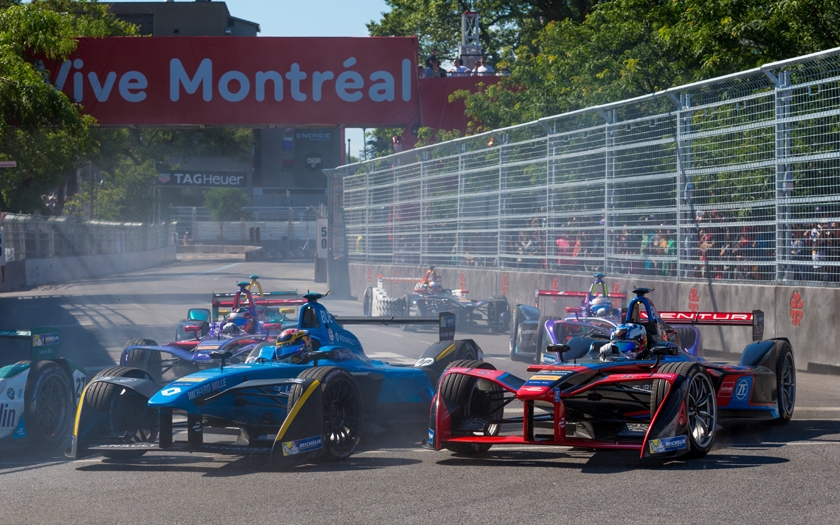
[(805, 315), (63, 269)]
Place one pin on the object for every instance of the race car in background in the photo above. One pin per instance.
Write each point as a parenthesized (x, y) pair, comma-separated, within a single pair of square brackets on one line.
[(312, 402), (38, 395), (237, 321), (636, 391), (429, 298), (596, 317)]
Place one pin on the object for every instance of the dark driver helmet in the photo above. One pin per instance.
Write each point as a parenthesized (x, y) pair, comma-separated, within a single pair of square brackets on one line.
[(630, 340), (293, 343), (240, 317)]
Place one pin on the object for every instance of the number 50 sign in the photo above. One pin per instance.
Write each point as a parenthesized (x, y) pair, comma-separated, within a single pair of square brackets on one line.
[(323, 235)]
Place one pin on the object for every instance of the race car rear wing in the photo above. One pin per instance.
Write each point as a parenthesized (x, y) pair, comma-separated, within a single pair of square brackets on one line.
[(445, 322), (221, 301), (557, 293), (44, 341), (755, 319)]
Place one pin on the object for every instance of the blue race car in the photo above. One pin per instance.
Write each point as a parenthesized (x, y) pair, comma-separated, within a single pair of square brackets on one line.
[(596, 317), (236, 323), (307, 395), (637, 390), (38, 395)]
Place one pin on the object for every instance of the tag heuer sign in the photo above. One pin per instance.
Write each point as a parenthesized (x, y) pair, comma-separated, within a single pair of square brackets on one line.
[(203, 179), (313, 161)]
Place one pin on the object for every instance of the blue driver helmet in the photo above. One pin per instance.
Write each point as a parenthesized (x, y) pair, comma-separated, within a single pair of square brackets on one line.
[(630, 340), (293, 344), (435, 287), (600, 306)]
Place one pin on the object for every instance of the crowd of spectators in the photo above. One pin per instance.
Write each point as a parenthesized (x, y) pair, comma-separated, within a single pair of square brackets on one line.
[(712, 246), (433, 68)]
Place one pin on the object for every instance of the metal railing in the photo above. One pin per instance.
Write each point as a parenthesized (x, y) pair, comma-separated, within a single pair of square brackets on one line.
[(186, 214), (37, 237), (733, 178)]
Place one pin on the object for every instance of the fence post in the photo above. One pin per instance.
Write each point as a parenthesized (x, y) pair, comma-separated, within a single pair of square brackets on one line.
[(784, 177)]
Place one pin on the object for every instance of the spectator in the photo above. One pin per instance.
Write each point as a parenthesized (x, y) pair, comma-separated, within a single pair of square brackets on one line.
[(186, 238), (795, 256), (433, 69), (474, 71), (667, 252), (563, 249), (459, 70), (705, 244), (485, 69), (691, 252)]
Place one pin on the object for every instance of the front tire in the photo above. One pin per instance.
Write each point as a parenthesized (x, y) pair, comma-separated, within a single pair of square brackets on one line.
[(127, 410), (700, 400), (146, 360), (49, 405), (477, 401), (342, 408)]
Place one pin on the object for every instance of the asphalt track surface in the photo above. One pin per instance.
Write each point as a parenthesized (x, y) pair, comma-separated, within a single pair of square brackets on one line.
[(760, 474)]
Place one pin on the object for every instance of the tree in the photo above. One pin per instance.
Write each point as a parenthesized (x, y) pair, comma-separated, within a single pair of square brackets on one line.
[(40, 127), (629, 48), (225, 204), (503, 23)]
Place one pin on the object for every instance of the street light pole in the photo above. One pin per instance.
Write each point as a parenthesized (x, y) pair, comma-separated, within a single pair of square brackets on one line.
[(90, 197)]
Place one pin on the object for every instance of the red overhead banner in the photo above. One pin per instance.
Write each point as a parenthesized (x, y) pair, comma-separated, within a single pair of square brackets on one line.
[(249, 81)]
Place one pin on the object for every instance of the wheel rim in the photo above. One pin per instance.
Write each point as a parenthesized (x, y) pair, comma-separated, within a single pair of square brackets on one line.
[(343, 414), (702, 410), (51, 407), (787, 386)]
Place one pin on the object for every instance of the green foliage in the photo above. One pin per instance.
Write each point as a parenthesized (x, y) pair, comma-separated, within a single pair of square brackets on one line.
[(503, 23), (225, 204), (41, 128), (629, 48)]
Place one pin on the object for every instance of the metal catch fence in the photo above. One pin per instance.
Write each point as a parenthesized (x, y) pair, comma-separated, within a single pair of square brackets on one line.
[(733, 178)]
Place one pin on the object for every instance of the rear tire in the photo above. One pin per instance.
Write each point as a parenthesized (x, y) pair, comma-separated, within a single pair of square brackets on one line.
[(367, 302), (700, 399), (785, 369), (342, 408), (48, 405), (407, 313), (476, 402), (146, 360), (126, 410)]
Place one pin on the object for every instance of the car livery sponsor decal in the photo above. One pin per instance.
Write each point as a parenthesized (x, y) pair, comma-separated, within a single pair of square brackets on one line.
[(8, 416), (660, 446), (45, 339), (432, 436), (557, 394), (10, 393), (207, 388), (170, 391), (548, 378), (301, 446), (189, 379), (742, 389)]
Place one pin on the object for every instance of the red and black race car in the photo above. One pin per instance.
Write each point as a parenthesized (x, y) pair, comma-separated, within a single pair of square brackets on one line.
[(636, 391)]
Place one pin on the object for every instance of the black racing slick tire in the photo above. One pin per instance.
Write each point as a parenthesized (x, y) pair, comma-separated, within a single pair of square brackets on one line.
[(48, 407), (785, 369), (477, 403), (144, 359), (406, 299), (367, 302), (700, 399), (342, 408), (127, 410)]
